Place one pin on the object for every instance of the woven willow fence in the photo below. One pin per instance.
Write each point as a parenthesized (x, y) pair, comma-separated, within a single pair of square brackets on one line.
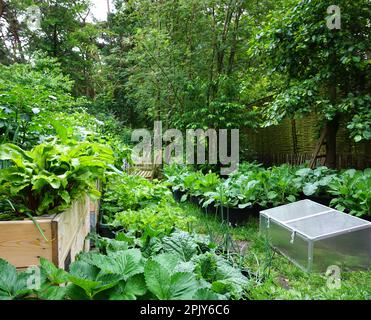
[(294, 141)]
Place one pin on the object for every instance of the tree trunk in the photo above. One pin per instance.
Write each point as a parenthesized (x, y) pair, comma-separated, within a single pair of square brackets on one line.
[(2, 8), (332, 126), (332, 129)]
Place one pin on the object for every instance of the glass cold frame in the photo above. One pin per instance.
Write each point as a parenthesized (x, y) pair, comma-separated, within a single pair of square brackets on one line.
[(314, 236)]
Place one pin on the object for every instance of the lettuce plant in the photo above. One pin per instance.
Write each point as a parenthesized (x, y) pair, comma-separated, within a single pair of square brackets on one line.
[(161, 219), (125, 192)]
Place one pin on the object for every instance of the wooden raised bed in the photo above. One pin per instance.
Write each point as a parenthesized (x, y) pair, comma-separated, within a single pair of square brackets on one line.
[(94, 210), (22, 244)]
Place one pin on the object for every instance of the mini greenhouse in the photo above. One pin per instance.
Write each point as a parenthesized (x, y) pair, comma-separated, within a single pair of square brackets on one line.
[(315, 237)]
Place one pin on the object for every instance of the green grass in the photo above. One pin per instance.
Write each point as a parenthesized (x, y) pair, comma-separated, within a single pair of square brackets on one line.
[(273, 276)]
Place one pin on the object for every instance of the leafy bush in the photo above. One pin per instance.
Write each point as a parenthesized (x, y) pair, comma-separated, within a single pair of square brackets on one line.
[(29, 91), (352, 191), (144, 207), (255, 185), (36, 104), (280, 186), (183, 269), (315, 181), (79, 125), (46, 179), (12, 285)]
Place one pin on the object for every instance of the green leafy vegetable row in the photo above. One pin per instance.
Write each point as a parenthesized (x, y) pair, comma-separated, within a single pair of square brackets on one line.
[(176, 267), (253, 185)]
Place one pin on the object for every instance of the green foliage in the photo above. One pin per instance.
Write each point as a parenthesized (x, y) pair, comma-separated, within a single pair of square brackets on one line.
[(254, 185), (49, 177), (79, 125), (180, 61), (12, 285), (315, 182), (153, 219), (180, 244), (145, 208), (36, 104), (281, 186), (88, 283), (28, 92), (173, 286), (175, 175), (326, 70), (352, 191), (66, 35), (124, 273), (127, 192)]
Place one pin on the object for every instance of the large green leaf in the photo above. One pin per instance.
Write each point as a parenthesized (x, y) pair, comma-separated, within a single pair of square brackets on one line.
[(8, 277), (178, 286), (183, 286), (169, 261), (206, 294), (157, 280), (310, 189), (48, 292), (54, 274), (12, 285), (87, 280), (181, 244), (124, 263), (136, 285)]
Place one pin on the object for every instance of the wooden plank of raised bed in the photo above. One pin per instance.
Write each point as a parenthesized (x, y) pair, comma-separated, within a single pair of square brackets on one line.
[(22, 244), (66, 227), (80, 243), (25, 239)]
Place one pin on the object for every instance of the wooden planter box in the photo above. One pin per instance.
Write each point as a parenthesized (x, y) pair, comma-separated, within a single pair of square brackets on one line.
[(22, 244), (94, 210)]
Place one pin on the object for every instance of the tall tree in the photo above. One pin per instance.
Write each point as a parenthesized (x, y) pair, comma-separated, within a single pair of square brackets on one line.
[(186, 61), (326, 69), (66, 34)]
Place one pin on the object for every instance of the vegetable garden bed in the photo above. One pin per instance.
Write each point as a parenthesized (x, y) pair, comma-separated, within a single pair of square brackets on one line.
[(22, 244)]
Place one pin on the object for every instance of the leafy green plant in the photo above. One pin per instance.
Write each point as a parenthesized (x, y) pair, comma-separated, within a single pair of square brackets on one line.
[(12, 284), (254, 185), (279, 185), (175, 175), (352, 192), (155, 219), (126, 192), (186, 267), (30, 91), (46, 179), (315, 181)]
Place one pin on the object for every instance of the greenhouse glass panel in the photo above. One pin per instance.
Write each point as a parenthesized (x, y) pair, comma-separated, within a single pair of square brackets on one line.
[(315, 237)]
